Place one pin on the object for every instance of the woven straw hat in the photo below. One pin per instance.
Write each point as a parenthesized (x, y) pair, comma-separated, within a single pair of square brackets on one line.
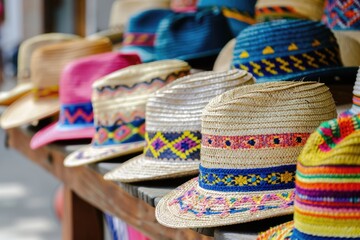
[(344, 20), (119, 101), (46, 65), (76, 120), (25, 51), (251, 137), (223, 60), (355, 108), (173, 126), (327, 185), (288, 9)]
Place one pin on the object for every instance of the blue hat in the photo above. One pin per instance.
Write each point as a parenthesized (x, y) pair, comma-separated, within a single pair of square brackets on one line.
[(291, 50), (141, 31), (188, 36), (239, 13)]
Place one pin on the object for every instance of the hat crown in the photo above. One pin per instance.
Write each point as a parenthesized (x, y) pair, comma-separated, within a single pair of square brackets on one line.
[(286, 49), (342, 15), (247, 129), (327, 182), (183, 5), (146, 21)]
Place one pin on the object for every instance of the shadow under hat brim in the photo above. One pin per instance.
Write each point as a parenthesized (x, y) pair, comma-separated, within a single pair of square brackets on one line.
[(8, 97), (56, 132), (169, 213), (27, 110), (93, 154), (279, 232), (140, 169), (146, 54)]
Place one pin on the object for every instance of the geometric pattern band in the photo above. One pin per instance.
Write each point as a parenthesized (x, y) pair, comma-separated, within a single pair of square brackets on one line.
[(356, 101), (247, 180), (182, 146), (255, 141), (276, 12), (342, 14), (76, 114), (120, 133), (302, 62), (139, 39)]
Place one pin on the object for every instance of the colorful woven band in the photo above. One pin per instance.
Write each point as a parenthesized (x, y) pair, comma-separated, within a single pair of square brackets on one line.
[(295, 234), (183, 146), (76, 114), (342, 14), (303, 62), (255, 141), (247, 180), (139, 39), (239, 16), (356, 101), (52, 91), (120, 133), (277, 12), (334, 131)]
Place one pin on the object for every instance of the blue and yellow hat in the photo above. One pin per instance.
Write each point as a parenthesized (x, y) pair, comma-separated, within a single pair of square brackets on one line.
[(239, 14), (291, 50), (141, 32)]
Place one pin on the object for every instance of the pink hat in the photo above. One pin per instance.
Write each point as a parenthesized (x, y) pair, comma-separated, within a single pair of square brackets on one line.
[(76, 115)]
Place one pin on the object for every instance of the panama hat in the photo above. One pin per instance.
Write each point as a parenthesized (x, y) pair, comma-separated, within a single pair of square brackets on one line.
[(119, 101), (288, 9), (251, 137), (183, 5), (327, 185), (293, 50), (76, 119), (344, 20), (173, 126), (46, 65), (25, 51), (239, 14)]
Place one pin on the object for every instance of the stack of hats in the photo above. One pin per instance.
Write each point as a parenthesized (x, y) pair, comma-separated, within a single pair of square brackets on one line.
[(327, 204), (251, 137), (173, 126)]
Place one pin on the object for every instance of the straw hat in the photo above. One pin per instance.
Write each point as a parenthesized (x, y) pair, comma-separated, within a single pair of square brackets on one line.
[(251, 137), (224, 59), (25, 51), (46, 65), (122, 10), (140, 34), (183, 5), (76, 112), (173, 126), (292, 50), (344, 20), (327, 185), (288, 9), (119, 109)]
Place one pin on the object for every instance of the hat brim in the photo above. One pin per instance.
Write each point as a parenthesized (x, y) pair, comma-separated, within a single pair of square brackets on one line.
[(27, 110), (280, 232), (146, 54), (190, 206), (56, 132), (93, 154), (8, 97), (142, 169)]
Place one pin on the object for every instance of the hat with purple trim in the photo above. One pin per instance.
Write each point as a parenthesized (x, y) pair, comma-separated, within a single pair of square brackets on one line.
[(251, 138)]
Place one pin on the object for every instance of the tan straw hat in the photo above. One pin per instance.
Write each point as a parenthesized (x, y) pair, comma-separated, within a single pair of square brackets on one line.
[(119, 101), (23, 75), (173, 126), (267, 10), (46, 65), (251, 137), (224, 59)]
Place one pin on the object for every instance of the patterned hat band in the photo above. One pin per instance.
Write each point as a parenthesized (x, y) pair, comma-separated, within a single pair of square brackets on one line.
[(45, 92), (356, 101), (342, 15), (76, 114), (173, 146), (274, 12), (120, 133), (139, 39)]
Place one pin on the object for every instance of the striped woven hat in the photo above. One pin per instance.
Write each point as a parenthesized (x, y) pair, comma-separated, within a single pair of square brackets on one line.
[(343, 17), (267, 10), (173, 126), (291, 50), (327, 203), (46, 65), (251, 137), (355, 108), (118, 101)]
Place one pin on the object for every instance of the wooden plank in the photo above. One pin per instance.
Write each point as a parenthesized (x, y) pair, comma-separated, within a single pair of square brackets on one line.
[(105, 195)]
